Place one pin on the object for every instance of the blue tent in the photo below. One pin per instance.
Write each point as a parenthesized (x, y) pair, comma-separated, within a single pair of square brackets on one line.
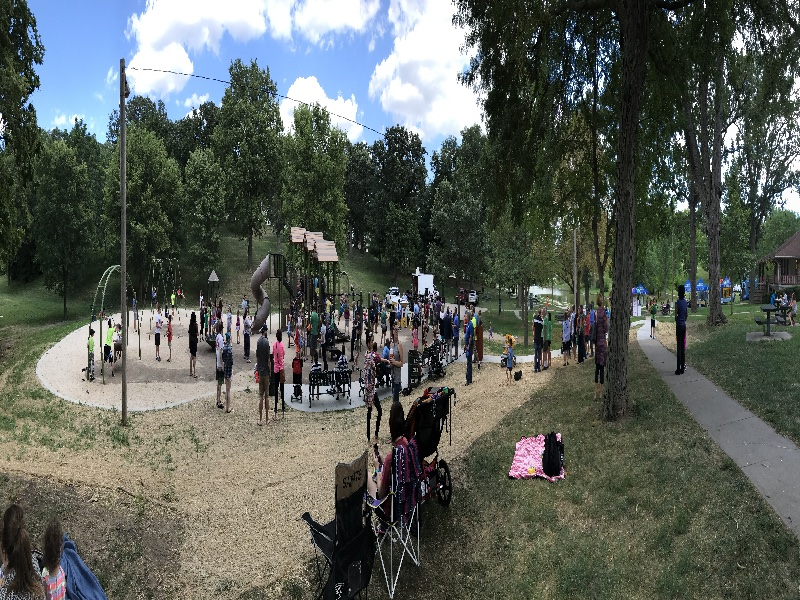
[(701, 287), (688, 286), (726, 282), (639, 290)]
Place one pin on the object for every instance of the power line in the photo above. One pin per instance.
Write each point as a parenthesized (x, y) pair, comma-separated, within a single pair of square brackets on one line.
[(274, 93)]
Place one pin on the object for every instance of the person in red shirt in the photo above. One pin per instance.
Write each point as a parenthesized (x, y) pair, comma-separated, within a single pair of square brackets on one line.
[(169, 337)]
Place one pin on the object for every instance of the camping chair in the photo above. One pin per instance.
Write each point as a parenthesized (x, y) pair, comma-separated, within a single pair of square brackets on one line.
[(347, 543), (396, 516)]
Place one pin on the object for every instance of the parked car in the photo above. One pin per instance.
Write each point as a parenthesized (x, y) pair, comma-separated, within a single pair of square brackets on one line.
[(472, 297), (393, 295)]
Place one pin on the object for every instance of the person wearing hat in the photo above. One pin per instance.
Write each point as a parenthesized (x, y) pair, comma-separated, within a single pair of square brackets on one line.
[(262, 368), (227, 365)]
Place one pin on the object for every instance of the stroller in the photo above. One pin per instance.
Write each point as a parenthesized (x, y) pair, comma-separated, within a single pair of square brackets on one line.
[(436, 366), (427, 417), (297, 380)]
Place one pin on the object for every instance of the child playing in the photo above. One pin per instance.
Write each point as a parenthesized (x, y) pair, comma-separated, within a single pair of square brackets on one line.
[(509, 361), (238, 325), (52, 573), (169, 337), (490, 331), (90, 348), (415, 338)]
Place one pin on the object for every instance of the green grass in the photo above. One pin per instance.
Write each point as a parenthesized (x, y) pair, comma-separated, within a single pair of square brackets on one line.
[(650, 508), (760, 375)]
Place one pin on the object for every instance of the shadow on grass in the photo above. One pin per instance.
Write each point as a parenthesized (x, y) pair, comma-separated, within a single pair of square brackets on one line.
[(130, 542), (650, 508)]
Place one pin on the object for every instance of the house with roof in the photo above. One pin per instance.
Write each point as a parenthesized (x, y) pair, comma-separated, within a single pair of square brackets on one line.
[(781, 268)]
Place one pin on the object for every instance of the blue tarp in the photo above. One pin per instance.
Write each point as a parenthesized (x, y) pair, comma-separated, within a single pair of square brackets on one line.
[(81, 582)]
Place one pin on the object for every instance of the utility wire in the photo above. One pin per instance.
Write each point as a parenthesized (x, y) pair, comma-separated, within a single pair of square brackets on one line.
[(275, 93)]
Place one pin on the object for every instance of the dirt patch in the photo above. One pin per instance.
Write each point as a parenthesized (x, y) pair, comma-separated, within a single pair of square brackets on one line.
[(238, 489), (121, 537)]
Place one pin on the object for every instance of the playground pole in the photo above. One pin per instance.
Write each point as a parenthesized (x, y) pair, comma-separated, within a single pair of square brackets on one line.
[(123, 93)]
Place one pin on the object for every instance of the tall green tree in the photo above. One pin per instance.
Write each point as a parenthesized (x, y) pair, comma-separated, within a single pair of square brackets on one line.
[(205, 203), (360, 180), (313, 188), (249, 147), (155, 196), (401, 172), (62, 216), (21, 50)]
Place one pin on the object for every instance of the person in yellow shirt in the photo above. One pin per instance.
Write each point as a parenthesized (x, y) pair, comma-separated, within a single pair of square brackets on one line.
[(90, 349)]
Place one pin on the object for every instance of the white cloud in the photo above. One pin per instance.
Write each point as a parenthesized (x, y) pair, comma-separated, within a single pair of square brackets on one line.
[(112, 76), (343, 111), (98, 96), (279, 15), (63, 121), (194, 101), (165, 30), (316, 18), (418, 82)]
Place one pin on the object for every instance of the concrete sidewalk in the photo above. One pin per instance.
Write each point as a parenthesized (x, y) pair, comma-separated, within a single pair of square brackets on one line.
[(769, 460)]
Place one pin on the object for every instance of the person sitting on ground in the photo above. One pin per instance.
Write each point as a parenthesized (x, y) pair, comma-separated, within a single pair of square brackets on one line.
[(52, 573), (20, 579)]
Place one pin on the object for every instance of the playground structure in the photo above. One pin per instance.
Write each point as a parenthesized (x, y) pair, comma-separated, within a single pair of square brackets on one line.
[(165, 277)]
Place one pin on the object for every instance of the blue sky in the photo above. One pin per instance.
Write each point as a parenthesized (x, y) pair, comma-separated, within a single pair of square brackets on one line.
[(379, 62)]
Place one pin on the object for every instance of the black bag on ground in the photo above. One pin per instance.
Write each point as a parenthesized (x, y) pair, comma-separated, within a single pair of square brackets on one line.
[(553, 457)]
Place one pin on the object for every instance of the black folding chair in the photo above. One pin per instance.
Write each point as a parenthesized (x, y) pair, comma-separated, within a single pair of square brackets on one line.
[(347, 544)]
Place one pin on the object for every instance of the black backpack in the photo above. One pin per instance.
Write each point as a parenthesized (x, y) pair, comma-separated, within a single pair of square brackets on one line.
[(553, 457)]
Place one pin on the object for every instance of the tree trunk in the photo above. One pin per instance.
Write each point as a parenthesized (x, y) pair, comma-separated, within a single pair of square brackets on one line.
[(634, 33), (712, 208), (525, 315), (692, 247)]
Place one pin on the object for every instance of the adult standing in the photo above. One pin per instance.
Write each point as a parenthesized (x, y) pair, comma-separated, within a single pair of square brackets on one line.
[(579, 334), (456, 331), (262, 368), (538, 341), (469, 335), (566, 332), (194, 333), (653, 320), (323, 335), (248, 328), (157, 335), (601, 347), (313, 339), (371, 359), (227, 365), (396, 361), (547, 327), (278, 355), (447, 334), (681, 310), (479, 337), (219, 342)]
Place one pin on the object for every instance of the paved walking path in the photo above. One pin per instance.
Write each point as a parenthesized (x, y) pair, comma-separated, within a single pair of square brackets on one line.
[(769, 460)]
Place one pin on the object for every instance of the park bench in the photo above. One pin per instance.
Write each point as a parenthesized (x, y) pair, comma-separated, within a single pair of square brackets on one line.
[(329, 382)]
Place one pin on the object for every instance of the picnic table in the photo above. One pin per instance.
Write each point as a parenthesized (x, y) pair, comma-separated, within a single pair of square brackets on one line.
[(768, 309)]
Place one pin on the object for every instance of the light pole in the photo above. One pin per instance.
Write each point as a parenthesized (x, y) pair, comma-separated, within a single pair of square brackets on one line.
[(123, 306)]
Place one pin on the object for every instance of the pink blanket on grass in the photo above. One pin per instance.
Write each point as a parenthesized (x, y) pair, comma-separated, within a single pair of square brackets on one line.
[(527, 461)]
